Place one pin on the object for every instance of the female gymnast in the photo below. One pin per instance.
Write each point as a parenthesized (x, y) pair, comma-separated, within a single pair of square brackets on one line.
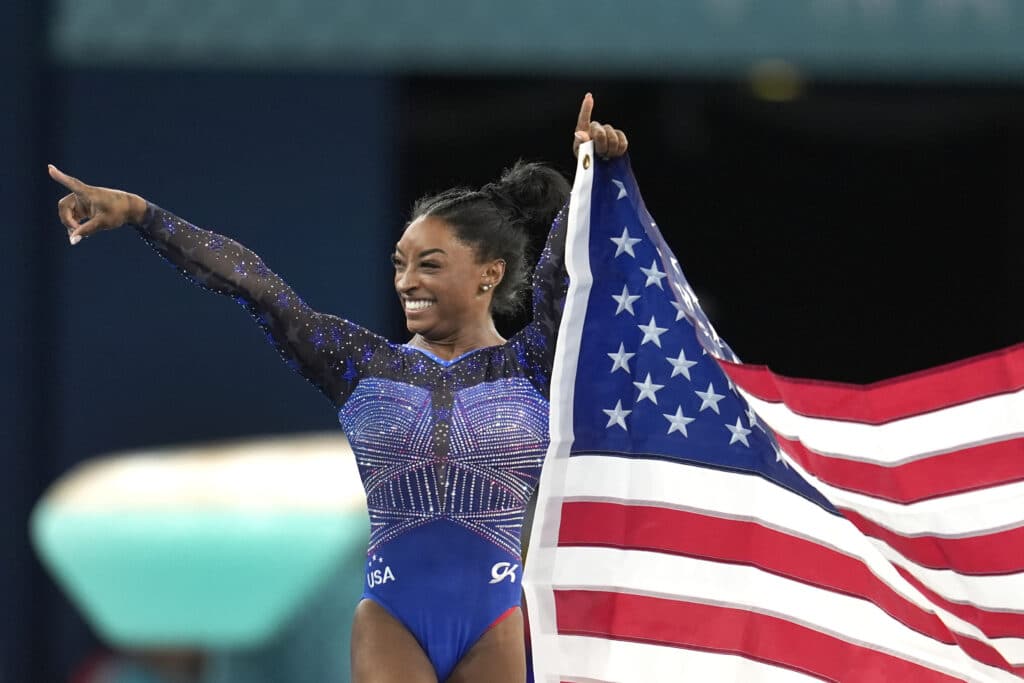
[(449, 429)]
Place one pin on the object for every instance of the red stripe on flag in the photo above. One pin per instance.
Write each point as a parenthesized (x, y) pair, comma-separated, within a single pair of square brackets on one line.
[(992, 623), (991, 374), (681, 532), (985, 554), (693, 625), (959, 471)]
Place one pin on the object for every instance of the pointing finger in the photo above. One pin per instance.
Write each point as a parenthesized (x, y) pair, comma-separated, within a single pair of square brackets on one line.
[(70, 182), (583, 120)]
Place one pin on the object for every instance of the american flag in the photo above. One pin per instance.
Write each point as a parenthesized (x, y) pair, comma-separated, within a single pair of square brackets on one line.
[(699, 519)]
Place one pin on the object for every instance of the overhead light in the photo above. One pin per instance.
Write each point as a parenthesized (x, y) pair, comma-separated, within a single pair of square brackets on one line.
[(776, 80)]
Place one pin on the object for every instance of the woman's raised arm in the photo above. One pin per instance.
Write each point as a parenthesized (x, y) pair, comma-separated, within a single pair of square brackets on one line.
[(327, 350), (550, 277)]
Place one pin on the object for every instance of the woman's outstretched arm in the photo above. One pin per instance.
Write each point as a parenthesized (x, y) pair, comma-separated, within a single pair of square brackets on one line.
[(329, 351)]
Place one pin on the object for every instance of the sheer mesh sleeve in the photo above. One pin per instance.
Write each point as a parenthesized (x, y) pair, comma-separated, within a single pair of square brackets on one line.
[(327, 350), (535, 343)]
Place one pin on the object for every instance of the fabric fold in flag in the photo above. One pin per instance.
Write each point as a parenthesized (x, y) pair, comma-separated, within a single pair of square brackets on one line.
[(701, 519)]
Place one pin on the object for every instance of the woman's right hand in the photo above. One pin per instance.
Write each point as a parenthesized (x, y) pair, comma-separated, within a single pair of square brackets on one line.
[(89, 209), (609, 141)]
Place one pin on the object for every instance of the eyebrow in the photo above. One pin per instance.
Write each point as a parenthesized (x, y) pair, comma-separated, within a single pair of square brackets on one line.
[(425, 252)]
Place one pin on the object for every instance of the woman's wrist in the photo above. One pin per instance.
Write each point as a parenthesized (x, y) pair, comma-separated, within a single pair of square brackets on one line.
[(137, 208)]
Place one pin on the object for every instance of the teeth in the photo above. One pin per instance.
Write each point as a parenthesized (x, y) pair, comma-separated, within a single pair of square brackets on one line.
[(417, 304)]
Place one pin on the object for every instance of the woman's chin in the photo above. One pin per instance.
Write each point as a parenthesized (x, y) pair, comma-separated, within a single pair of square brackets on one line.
[(427, 323), (416, 324)]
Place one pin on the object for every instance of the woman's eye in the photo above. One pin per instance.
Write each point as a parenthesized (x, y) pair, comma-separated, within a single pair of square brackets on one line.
[(429, 264), (396, 262)]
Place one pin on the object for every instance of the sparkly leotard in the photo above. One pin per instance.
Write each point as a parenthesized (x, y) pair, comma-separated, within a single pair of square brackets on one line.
[(449, 451)]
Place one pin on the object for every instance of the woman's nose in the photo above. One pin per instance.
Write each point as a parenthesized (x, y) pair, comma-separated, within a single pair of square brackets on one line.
[(405, 281)]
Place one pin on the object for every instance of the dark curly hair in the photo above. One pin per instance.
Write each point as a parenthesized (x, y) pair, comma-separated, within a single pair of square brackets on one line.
[(498, 219)]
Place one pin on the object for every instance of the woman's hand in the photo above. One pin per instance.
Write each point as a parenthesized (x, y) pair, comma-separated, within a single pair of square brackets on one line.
[(89, 209), (609, 142)]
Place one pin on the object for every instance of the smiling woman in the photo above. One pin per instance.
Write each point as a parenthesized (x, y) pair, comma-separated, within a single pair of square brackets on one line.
[(449, 429), (463, 257)]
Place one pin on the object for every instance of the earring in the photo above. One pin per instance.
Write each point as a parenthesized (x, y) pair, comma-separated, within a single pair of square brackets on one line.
[(485, 287)]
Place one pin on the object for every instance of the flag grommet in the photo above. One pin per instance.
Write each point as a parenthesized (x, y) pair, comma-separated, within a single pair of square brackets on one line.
[(586, 161)]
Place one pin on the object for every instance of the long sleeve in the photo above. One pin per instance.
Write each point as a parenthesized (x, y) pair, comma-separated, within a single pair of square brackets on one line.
[(327, 350), (535, 343)]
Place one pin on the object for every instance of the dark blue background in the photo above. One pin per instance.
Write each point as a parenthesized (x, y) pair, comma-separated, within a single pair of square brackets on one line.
[(872, 229)]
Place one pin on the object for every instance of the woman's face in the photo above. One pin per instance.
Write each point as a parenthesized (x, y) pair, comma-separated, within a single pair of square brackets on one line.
[(438, 280)]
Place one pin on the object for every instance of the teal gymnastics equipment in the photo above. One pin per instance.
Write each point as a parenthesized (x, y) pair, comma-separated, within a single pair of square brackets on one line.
[(213, 546)]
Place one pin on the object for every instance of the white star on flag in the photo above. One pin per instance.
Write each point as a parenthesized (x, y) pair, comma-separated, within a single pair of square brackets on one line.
[(616, 416), (654, 276), (680, 310), (678, 422), (681, 366), (622, 188), (648, 390), (709, 399), (625, 243), (739, 433), (625, 301), (621, 358), (652, 332)]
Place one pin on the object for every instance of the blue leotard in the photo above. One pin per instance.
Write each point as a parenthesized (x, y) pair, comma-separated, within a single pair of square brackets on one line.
[(449, 451)]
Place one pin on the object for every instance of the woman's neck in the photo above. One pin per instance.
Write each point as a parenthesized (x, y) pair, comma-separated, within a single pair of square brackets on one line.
[(459, 343)]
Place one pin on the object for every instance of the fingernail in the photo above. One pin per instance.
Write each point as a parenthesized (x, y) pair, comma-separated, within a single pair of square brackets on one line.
[(74, 239), (579, 136)]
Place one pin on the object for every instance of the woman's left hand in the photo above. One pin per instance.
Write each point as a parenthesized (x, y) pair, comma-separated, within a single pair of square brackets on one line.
[(609, 142)]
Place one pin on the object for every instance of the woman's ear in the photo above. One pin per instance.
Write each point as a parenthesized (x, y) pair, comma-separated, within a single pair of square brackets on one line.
[(494, 272)]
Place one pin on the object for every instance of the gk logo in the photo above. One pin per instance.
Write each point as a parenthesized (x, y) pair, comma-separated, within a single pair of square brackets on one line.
[(503, 570)]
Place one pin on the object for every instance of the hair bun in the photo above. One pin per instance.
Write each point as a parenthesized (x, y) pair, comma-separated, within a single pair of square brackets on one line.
[(531, 193)]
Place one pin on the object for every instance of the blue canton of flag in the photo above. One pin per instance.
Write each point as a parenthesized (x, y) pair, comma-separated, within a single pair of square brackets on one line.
[(651, 388)]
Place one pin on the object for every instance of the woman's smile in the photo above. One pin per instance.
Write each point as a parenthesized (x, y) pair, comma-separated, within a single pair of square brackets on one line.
[(416, 305)]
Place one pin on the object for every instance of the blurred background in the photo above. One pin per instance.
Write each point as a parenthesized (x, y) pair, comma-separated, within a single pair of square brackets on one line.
[(840, 179)]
